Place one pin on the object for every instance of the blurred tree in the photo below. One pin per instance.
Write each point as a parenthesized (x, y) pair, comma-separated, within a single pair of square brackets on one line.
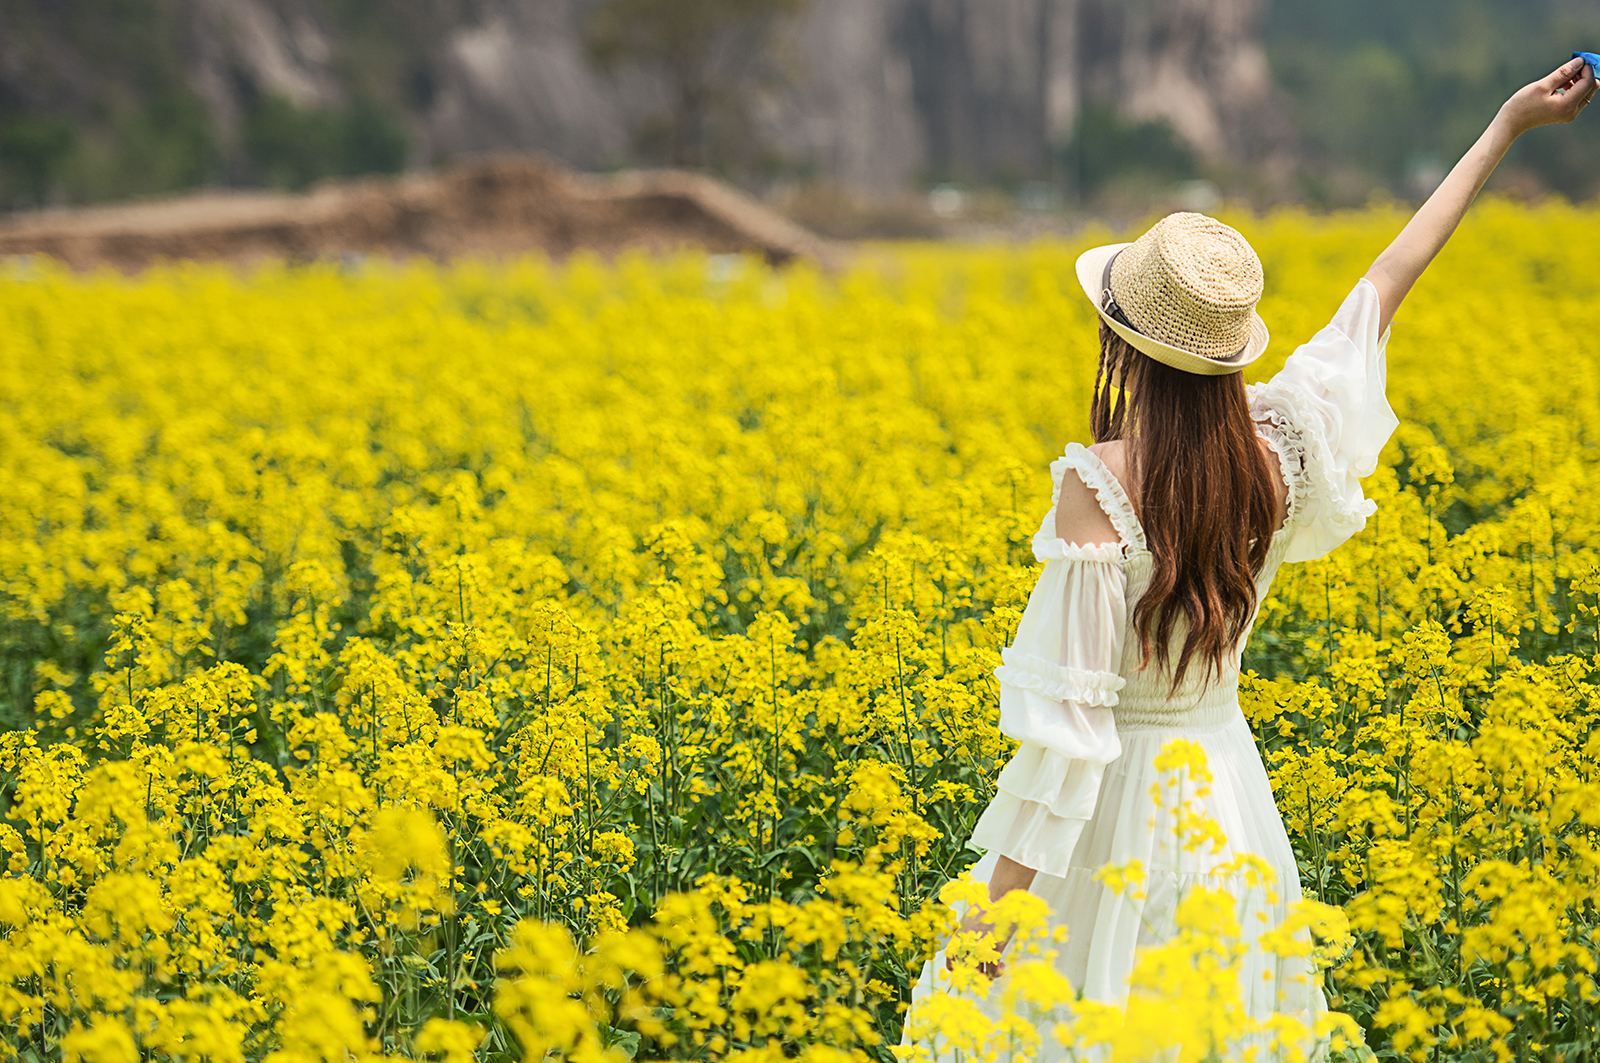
[(33, 157), (94, 103), (292, 146), (1104, 146), (710, 54), (1384, 93), (145, 145)]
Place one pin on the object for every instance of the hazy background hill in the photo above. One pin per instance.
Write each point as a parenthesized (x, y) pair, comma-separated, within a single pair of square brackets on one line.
[(857, 104)]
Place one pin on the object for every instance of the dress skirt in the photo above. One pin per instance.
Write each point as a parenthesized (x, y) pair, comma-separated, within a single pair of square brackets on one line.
[(1105, 926)]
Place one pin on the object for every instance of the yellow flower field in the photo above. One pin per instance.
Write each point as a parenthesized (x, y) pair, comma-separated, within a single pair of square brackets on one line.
[(592, 661)]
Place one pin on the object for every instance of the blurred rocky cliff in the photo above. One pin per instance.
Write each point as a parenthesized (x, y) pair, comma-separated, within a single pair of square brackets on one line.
[(880, 93), (876, 96)]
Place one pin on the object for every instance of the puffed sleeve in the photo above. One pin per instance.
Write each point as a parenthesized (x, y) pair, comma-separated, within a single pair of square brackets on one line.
[(1328, 415), (1058, 681)]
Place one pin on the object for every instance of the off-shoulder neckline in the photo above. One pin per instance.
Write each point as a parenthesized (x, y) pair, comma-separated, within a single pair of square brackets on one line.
[(1117, 505), (1110, 492)]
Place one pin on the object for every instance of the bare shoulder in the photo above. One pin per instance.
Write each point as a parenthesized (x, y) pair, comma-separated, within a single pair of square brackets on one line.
[(1114, 452), (1079, 518)]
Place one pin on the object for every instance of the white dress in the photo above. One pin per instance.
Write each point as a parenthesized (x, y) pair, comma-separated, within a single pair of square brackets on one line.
[(1077, 793)]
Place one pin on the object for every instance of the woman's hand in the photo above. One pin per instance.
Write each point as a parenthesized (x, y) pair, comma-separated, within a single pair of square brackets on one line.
[(977, 922), (1008, 875), (1557, 97)]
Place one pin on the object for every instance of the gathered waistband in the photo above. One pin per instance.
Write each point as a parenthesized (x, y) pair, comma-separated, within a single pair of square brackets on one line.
[(1216, 707)]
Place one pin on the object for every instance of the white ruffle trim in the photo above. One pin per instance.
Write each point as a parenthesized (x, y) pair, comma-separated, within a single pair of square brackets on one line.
[(1107, 488), (1030, 833), (1066, 785), (1319, 487), (1044, 801), (1047, 547), (1289, 461), (1059, 682)]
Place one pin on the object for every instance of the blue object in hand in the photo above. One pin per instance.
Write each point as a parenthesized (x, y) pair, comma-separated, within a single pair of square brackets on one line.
[(1591, 58)]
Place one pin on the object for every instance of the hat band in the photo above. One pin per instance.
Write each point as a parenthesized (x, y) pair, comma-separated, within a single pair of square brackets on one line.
[(1109, 304)]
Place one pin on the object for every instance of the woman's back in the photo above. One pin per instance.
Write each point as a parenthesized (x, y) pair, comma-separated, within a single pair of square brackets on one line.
[(1097, 505)]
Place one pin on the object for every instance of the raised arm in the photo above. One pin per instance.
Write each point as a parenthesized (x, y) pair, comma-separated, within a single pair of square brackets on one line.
[(1557, 97)]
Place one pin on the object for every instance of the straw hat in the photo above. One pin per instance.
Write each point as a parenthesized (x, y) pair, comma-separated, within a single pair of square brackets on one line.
[(1184, 293)]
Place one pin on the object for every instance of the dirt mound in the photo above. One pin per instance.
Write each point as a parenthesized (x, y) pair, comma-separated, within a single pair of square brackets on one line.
[(491, 206)]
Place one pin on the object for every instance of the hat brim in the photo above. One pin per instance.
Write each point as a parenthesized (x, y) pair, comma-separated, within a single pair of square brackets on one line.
[(1091, 268)]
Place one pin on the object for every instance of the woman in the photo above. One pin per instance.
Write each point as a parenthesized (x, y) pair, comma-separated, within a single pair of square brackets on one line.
[(1157, 552)]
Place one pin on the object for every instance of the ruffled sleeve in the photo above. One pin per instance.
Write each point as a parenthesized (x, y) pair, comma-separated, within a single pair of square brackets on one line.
[(1327, 414), (1058, 681)]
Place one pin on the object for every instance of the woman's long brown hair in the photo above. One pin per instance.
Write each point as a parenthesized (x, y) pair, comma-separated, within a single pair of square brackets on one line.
[(1206, 497)]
